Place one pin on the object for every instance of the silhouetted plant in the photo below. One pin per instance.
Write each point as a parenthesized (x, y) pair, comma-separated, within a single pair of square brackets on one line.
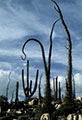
[(3, 103), (59, 92), (69, 76), (8, 85), (39, 90), (55, 85), (57, 89), (47, 94), (16, 95), (28, 90)]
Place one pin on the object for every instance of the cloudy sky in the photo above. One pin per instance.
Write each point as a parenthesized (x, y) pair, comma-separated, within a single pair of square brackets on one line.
[(23, 19)]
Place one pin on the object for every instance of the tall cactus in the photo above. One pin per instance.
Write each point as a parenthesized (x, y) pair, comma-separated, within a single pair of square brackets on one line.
[(16, 95), (57, 89), (69, 76), (47, 97), (28, 90), (59, 92), (39, 90)]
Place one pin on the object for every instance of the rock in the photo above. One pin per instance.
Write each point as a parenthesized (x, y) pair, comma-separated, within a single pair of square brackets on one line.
[(53, 103), (74, 117), (18, 112), (45, 116), (33, 102), (58, 106), (80, 117), (8, 111), (79, 99), (69, 117)]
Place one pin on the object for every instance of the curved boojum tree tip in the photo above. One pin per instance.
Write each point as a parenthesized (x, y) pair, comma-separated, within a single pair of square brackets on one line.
[(31, 39)]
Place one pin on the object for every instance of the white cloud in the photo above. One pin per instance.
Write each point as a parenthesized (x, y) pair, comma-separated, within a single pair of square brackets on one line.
[(8, 52), (4, 74), (5, 65), (15, 77), (78, 84)]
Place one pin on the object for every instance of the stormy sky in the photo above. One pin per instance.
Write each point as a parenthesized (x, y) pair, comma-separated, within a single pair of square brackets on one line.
[(24, 19)]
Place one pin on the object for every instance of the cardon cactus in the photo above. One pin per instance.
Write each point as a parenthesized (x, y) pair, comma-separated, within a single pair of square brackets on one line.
[(59, 92), (28, 89), (16, 95), (57, 89)]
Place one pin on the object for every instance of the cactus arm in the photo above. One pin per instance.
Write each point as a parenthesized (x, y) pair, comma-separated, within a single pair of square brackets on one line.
[(35, 86), (40, 80), (23, 82), (39, 89), (16, 96), (30, 89), (27, 77), (59, 92), (57, 88)]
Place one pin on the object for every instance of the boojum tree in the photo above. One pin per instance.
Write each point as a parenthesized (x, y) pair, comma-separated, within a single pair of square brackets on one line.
[(8, 85), (47, 68), (69, 74)]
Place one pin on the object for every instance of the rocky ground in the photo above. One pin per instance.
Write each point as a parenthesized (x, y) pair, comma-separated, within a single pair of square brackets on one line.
[(32, 110)]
